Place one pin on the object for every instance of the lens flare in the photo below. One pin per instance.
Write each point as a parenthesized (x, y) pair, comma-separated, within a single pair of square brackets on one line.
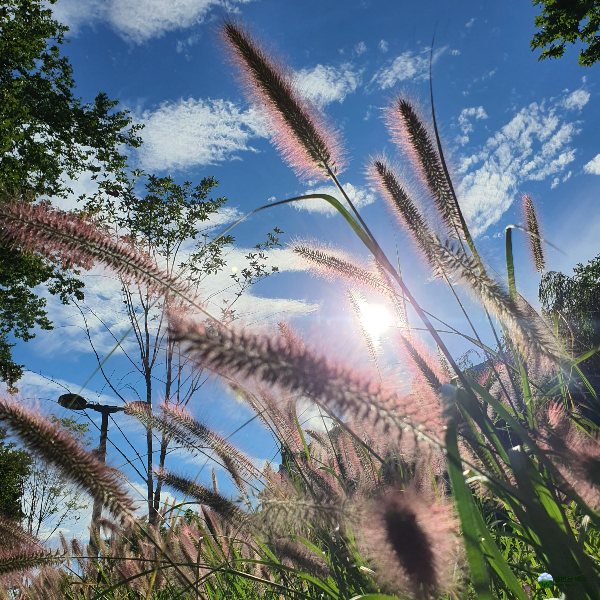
[(375, 319)]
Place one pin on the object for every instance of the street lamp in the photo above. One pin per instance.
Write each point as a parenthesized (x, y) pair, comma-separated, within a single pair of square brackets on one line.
[(77, 402)]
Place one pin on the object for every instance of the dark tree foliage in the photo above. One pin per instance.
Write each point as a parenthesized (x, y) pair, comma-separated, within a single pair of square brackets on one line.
[(15, 466), (46, 133), (574, 305), (568, 21)]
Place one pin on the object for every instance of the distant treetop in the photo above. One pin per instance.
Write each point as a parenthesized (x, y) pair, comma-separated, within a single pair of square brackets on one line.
[(569, 21)]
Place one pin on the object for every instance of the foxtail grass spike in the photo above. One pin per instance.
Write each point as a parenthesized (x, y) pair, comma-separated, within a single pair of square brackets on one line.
[(300, 133), (274, 362), (427, 372), (60, 449), (535, 242), (396, 195), (410, 133), (412, 541), (221, 505), (12, 535), (64, 236), (355, 301), (330, 266), (24, 559)]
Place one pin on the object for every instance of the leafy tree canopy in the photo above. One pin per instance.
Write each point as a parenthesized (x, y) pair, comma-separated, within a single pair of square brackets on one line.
[(574, 304), (45, 134), (569, 21), (15, 466)]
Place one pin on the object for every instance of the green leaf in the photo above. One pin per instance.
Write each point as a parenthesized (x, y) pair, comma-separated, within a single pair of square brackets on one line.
[(374, 597), (510, 265), (301, 433), (467, 512)]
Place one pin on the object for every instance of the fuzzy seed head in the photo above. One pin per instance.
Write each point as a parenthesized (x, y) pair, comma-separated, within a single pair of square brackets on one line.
[(535, 243), (411, 135), (54, 445), (66, 238), (300, 132), (274, 362), (412, 540)]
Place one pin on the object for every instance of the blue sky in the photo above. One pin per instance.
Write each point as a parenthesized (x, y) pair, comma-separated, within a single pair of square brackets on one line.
[(509, 125)]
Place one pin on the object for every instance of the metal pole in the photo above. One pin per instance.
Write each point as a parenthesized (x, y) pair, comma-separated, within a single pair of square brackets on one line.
[(97, 509)]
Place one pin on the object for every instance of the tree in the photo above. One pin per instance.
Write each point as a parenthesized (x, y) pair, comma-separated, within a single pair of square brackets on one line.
[(171, 224), (45, 134), (49, 500), (574, 304), (15, 466), (569, 21)]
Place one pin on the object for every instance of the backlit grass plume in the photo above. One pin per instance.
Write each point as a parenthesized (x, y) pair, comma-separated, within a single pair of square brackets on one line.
[(526, 327), (24, 559), (411, 135), (412, 541), (12, 535), (535, 242), (307, 143), (221, 505), (64, 236), (54, 445), (332, 265), (271, 360), (184, 429), (395, 193)]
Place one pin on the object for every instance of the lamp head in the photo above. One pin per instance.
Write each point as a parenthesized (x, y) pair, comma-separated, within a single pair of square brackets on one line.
[(73, 402)]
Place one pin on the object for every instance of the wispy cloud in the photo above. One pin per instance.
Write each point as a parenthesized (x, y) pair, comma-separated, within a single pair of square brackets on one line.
[(409, 65), (464, 121), (182, 134), (134, 20), (383, 46), (109, 321), (470, 23), (360, 48), (360, 196), (455, 52), (325, 84), (593, 167), (532, 146), (576, 100), (185, 44)]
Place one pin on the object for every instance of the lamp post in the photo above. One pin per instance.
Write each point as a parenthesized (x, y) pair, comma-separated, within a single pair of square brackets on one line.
[(77, 402)]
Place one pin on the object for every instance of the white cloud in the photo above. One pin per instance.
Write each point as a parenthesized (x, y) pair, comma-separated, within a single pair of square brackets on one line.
[(455, 52), (325, 84), (554, 183), (470, 23), (134, 20), (465, 123), (593, 167), (358, 195), (406, 66), (103, 296), (533, 145), (577, 100), (383, 46), (360, 48), (185, 133), (186, 43)]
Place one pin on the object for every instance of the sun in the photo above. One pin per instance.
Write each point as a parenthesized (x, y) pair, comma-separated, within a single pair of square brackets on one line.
[(375, 319)]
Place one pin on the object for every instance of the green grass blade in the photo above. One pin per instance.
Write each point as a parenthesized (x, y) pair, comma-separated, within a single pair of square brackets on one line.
[(510, 265), (466, 512), (479, 541), (330, 199), (301, 433)]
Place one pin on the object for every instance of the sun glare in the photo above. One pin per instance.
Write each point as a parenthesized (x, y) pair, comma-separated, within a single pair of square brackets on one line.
[(375, 319)]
